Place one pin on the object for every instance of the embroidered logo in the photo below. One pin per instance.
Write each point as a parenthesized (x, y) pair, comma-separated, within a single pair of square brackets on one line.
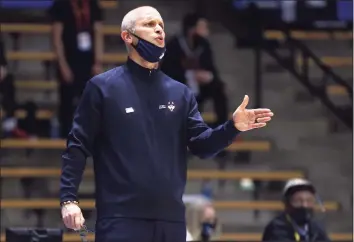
[(171, 106)]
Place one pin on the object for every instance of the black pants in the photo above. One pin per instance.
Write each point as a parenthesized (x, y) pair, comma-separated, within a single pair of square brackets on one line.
[(9, 104), (215, 91), (7, 91), (69, 94), (139, 230)]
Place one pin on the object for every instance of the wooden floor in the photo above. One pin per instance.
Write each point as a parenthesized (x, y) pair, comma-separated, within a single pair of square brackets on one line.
[(250, 237), (60, 144), (31, 172), (219, 205)]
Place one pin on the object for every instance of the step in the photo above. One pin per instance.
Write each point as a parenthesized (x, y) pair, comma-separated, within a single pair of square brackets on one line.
[(328, 48), (338, 222), (343, 140), (295, 111), (287, 135)]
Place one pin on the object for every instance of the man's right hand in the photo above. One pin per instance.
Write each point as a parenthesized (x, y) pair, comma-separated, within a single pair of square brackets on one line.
[(66, 73), (72, 216)]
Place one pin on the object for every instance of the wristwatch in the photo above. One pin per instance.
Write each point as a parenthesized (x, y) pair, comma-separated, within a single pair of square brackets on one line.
[(68, 202)]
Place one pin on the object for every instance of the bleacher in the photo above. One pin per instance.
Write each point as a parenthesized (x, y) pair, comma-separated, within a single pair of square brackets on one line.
[(45, 174)]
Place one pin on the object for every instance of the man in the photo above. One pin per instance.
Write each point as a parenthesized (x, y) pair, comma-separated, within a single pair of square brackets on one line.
[(137, 123), (189, 59), (296, 223), (78, 45)]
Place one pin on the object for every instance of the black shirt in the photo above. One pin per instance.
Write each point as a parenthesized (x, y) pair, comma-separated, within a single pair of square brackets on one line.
[(77, 16), (3, 61), (137, 125), (179, 57), (280, 229)]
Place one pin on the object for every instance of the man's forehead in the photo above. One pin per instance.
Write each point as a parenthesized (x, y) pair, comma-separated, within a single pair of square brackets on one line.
[(303, 193), (149, 14)]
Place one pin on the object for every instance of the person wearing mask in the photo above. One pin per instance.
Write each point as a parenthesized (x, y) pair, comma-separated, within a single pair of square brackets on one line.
[(202, 222), (137, 122), (78, 45), (189, 59), (296, 223)]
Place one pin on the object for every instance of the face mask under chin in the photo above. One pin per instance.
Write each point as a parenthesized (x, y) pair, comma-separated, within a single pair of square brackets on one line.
[(148, 51), (301, 215)]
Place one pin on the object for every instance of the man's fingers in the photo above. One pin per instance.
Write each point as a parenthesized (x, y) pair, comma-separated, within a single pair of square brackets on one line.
[(244, 102), (262, 111), (265, 114), (67, 221), (66, 218), (263, 120), (257, 125), (77, 219), (82, 220)]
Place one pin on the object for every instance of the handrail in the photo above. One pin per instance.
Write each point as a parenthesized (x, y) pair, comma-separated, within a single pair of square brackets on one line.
[(319, 63)]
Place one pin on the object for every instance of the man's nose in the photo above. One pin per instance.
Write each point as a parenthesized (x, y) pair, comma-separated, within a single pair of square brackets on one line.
[(158, 30), (305, 204)]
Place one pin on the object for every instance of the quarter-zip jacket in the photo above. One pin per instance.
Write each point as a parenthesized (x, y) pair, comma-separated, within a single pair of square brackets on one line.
[(137, 123)]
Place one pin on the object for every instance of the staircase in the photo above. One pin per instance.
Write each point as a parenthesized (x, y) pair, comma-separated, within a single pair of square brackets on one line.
[(301, 130)]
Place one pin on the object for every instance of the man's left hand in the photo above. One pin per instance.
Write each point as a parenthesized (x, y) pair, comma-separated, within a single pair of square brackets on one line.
[(247, 119)]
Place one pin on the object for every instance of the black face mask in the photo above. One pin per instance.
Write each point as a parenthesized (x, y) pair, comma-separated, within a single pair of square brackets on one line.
[(207, 230), (148, 51), (301, 215)]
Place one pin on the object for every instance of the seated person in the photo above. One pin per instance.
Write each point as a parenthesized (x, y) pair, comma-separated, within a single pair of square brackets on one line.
[(296, 223), (189, 59), (201, 218), (7, 100)]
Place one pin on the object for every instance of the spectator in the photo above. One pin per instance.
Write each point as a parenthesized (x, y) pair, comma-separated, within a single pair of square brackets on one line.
[(189, 59), (296, 223), (207, 226), (78, 44), (8, 101)]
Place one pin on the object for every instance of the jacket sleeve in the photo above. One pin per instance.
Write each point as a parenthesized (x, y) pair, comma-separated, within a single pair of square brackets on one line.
[(204, 141), (80, 142), (320, 232)]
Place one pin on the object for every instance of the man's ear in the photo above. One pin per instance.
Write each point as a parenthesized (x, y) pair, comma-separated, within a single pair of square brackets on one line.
[(127, 37)]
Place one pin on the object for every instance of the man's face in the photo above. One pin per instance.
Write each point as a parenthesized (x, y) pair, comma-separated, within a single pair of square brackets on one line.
[(202, 28), (150, 27), (303, 199)]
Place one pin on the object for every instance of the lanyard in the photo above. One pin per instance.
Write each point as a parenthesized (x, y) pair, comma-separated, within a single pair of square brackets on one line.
[(82, 15), (296, 233)]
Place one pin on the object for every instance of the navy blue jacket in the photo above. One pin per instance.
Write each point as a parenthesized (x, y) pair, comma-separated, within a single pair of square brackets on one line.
[(137, 123)]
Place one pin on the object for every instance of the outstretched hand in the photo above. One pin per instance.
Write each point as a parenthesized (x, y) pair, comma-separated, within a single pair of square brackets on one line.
[(247, 119)]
